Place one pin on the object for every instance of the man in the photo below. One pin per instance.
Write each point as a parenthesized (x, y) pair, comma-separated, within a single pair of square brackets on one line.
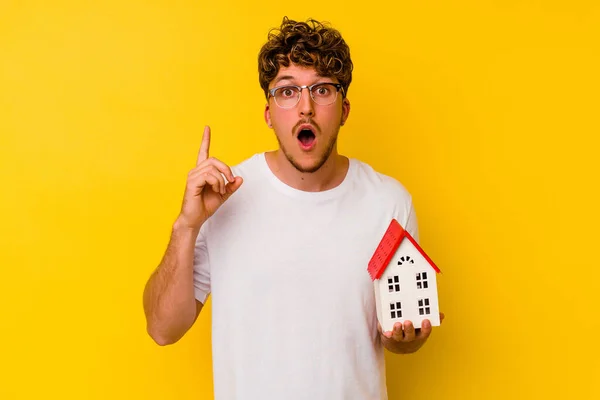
[(282, 241)]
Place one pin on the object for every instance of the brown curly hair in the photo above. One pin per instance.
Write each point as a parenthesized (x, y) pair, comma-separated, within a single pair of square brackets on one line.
[(308, 44)]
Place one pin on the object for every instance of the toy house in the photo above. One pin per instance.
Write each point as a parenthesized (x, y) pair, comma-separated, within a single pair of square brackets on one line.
[(404, 280)]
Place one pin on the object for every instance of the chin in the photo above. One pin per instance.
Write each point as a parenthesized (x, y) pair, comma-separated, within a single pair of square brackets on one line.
[(309, 166), (309, 162)]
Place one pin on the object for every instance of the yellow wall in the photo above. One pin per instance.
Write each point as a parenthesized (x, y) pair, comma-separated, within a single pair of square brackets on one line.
[(486, 110)]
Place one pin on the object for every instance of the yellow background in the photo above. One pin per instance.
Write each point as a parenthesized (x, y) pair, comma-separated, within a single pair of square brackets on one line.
[(487, 111)]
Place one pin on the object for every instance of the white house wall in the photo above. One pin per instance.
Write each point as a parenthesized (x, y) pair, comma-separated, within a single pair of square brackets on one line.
[(409, 295)]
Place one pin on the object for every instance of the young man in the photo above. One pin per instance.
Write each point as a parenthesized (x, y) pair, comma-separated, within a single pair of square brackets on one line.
[(282, 241)]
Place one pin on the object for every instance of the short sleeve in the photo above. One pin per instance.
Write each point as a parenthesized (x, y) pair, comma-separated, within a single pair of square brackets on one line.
[(411, 224), (201, 267), (402, 205)]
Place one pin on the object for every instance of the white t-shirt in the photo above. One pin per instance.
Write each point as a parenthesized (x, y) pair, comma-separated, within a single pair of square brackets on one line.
[(293, 306)]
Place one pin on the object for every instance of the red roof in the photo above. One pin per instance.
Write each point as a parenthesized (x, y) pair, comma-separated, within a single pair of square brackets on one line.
[(387, 248)]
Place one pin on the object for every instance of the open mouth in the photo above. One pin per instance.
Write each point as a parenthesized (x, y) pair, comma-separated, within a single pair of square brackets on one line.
[(306, 137)]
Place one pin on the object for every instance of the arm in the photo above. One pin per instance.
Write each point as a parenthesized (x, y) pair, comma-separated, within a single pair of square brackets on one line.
[(169, 297), (169, 303)]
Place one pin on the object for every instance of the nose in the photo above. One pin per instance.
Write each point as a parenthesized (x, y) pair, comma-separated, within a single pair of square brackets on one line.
[(306, 105)]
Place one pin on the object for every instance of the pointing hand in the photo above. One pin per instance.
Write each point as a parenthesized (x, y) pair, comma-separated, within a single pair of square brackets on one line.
[(206, 189)]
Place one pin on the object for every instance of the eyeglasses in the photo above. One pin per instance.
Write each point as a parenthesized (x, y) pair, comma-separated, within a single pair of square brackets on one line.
[(321, 93)]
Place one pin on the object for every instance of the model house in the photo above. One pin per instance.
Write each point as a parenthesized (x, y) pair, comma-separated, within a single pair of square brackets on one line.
[(404, 280)]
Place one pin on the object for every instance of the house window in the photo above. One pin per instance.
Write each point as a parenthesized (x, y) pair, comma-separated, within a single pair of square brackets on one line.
[(424, 307), (422, 280), (405, 260), (396, 310), (394, 283)]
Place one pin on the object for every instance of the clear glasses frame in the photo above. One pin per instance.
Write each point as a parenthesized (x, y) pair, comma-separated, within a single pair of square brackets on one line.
[(338, 87)]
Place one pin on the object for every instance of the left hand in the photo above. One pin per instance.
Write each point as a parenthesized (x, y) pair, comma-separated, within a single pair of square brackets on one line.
[(406, 333)]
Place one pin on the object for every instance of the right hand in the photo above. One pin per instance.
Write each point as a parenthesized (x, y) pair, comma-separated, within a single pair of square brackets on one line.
[(206, 189)]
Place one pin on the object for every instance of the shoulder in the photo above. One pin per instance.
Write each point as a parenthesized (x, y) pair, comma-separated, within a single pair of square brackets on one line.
[(391, 197), (247, 166), (386, 185), (251, 169)]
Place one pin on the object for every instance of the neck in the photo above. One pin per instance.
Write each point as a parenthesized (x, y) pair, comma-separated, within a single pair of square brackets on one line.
[(330, 175)]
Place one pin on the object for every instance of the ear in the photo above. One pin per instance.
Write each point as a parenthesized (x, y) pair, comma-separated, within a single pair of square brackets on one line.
[(345, 110), (268, 116)]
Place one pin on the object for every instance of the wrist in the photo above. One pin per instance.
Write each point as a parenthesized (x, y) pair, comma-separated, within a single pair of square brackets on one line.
[(183, 226)]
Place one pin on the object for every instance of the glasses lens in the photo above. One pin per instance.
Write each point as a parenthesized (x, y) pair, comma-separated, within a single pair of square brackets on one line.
[(287, 96), (324, 94)]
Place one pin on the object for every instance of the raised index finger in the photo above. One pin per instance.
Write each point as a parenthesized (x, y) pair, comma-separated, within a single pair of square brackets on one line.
[(203, 153)]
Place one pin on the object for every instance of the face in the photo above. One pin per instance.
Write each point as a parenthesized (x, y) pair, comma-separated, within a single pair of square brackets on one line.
[(306, 152)]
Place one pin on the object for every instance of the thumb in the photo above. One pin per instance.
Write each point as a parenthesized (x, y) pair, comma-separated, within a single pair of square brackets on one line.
[(233, 186)]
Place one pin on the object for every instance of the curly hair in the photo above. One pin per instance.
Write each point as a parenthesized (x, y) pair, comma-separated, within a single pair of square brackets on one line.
[(307, 44)]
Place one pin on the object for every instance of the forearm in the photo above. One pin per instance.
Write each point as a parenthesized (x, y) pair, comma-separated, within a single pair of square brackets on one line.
[(169, 301)]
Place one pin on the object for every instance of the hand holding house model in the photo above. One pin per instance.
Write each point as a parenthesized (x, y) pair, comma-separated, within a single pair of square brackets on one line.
[(404, 280)]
